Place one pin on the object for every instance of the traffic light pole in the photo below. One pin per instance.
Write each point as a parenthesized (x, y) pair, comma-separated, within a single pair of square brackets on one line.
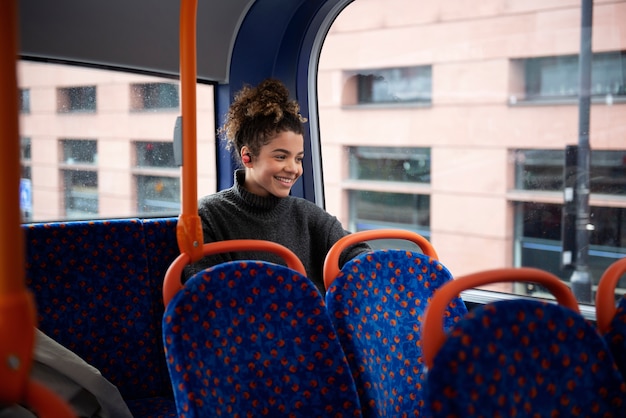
[(581, 277)]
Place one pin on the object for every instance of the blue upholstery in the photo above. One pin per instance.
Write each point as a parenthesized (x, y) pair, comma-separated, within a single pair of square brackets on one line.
[(97, 290), (524, 358), (616, 336), (377, 303), (252, 338)]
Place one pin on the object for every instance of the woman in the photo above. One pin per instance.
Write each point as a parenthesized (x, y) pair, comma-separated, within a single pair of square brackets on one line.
[(264, 129)]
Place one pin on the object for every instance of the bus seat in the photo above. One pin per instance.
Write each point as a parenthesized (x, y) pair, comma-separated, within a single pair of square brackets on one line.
[(376, 302), (97, 285), (611, 319), (518, 357), (252, 338)]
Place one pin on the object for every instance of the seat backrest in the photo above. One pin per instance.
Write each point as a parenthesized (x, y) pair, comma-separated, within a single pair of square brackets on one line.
[(93, 291), (253, 338), (518, 357), (611, 319), (377, 302)]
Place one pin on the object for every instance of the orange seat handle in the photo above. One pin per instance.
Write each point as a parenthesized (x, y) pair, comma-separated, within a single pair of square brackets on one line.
[(331, 263), (433, 334), (172, 282), (605, 295)]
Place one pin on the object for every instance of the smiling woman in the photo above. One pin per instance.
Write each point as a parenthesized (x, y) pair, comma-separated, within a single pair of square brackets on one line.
[(454, 120), (264, 129)]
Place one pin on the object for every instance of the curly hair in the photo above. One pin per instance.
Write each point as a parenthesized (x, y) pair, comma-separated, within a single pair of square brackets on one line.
[(258, 114)]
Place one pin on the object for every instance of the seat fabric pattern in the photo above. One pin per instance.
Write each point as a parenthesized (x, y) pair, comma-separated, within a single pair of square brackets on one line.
[(616, 337), (377, 304), (155, 407), (522, 358), (102, 268), (160, 233), (249, 338)]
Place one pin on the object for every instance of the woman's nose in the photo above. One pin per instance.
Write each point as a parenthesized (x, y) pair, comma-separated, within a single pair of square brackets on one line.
[(292, 165)]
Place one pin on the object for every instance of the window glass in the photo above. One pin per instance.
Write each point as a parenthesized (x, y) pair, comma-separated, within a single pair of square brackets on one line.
[(557, 76), (544, 170), (79, 151), (390, 164), (81, 193), (153, 96), (25, 153), (540, 238), (481, 177), (92, 154), (157, 179), (76, 99), (24, 100), (376, 209), (26, 195), (155, 154), (157, 194), (392, 85)]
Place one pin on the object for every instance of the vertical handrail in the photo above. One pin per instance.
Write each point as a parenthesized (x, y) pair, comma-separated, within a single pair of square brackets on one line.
[(189, 228), (17, 307), (17, 316)]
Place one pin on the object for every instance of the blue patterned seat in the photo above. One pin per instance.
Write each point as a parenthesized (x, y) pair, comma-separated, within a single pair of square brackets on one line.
[(377, 302), (251, 338), (97, 286), (611, 319), (519, 357)]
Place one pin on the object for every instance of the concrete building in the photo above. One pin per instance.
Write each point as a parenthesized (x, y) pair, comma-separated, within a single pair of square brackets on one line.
[(450, 118), (488, 93)]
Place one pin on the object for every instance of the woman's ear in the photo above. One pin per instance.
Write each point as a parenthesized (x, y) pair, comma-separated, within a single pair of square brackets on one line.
[(246, 158)]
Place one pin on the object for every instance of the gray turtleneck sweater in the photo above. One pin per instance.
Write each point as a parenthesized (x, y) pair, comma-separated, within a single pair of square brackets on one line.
[(298, 224)]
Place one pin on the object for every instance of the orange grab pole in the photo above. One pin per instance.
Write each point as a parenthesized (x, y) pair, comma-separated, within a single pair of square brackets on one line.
[(605, 295), (189, 227), (17, 310), (17, 307), (433, 335), (331, 263), (172, 283)]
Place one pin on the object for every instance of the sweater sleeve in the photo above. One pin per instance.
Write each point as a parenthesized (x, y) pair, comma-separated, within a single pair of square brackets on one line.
[(334, 231)]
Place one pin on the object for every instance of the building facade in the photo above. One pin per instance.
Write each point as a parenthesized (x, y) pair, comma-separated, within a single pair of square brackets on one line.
[(450, 118)]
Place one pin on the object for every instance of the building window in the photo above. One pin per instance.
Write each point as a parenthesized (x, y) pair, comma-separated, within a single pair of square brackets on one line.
[(556, 77), (389, 85), (157, 178), (25, 151), (81, 193), (371, 210), (155, 154), (371, 171), (158, 194), (26, 194), (543, 170), (80, 151), (538, 236), (76, 99), (390, 164), (154, 96), (24, 100)]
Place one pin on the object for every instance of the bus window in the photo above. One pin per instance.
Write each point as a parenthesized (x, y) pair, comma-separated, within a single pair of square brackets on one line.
[(452, 120), (98, 143)]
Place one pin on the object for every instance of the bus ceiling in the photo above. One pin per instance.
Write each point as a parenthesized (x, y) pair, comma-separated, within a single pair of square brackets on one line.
[(230, 35)]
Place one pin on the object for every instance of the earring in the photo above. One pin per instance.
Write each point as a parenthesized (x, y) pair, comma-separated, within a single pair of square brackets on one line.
[(245, 158)]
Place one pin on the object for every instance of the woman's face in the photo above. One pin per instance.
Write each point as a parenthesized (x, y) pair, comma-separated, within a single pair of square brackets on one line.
[(277, 167)]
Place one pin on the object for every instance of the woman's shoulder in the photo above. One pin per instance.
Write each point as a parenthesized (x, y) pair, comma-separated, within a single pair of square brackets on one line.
[(217, 200)]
